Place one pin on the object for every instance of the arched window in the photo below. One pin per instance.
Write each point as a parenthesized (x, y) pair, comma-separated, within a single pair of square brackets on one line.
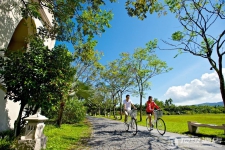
[(24, 29)]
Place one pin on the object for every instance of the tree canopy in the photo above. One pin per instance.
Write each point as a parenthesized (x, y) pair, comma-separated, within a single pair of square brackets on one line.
[(198, 18), (37, 78)]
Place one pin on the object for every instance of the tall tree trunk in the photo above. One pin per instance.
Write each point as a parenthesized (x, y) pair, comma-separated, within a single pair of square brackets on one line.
[(219, 72), (114, 108), (105, 111), (141, 107), (222, 88), (61, 109), (121, 108), (17, 128)]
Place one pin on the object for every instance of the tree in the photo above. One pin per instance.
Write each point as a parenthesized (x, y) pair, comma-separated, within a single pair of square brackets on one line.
[(168, 104), (72, 20), (139, 8), (125, 77), (145, 65), (118, 75), (104, 90), (63, 80), (197, 17), (37, 78), (74, 111), (83, 91), (87, 68), (108, 75), (159, 103)]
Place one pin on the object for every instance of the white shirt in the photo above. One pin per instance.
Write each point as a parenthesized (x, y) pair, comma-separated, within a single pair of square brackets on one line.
[(127, 104)]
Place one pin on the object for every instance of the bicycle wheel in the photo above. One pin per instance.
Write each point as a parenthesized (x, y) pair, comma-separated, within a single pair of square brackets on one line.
[(133, 126), (160, 126), (126, 126)]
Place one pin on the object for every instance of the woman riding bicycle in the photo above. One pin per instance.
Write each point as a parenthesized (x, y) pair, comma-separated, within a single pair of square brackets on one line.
[(150, 105)]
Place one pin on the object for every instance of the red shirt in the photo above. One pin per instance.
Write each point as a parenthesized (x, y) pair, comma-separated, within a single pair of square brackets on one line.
[(150, 106)]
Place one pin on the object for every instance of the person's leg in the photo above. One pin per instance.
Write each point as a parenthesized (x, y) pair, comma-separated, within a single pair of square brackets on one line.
[(150, 120), (155, 117), (126, 115)]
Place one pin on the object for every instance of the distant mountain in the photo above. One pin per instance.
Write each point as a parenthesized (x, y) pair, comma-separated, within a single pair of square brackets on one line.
[(212, 104)]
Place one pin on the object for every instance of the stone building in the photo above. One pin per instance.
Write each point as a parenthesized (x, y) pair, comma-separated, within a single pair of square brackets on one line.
[(14, 29)]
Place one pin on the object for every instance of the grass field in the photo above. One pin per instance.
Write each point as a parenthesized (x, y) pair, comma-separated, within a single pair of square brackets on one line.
[(75, 136), (178, 123), (68, 136)]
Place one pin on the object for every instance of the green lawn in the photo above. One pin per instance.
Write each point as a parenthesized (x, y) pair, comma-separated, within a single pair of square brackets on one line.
[(75, 136), (178, 123), (68, 136)]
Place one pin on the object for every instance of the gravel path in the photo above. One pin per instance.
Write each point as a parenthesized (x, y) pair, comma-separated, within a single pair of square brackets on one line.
[(110, 135)]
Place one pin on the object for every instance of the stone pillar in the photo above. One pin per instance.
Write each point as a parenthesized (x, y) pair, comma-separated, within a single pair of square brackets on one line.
[(34, 138), (223, 127), (191, 128)]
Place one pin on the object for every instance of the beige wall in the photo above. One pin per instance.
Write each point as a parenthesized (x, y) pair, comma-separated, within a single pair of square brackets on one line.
[(12, 34), (10, 17), (4, 123), (8, 112)]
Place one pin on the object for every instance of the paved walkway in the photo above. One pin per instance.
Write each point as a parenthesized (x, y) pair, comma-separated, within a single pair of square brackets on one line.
[(110, 135)]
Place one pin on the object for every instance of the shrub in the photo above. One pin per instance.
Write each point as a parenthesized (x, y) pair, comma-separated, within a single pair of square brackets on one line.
[(4, 144), (6, 139), (74, 112)]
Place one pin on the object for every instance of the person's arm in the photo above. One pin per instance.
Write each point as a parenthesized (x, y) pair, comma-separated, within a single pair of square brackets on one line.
[(133, 106), (124, 106), (157, 107)]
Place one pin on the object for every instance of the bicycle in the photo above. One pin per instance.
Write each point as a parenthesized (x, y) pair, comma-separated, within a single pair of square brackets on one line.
[(160, 124), (132, 123)]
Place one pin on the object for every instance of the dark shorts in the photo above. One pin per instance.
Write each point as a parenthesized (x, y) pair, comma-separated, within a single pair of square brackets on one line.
[(149, 112)]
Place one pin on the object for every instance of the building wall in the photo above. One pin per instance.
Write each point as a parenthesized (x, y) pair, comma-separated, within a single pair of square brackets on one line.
[(13, 31)]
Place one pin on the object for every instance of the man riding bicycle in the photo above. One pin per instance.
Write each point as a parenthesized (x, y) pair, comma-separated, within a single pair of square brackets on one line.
[(150, 105), (127, 103)]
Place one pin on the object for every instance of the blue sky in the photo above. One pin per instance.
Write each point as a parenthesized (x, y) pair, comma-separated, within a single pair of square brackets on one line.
[(190, 82), (186, 83)]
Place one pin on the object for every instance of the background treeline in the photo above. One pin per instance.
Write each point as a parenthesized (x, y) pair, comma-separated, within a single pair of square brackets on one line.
[(168, 109)]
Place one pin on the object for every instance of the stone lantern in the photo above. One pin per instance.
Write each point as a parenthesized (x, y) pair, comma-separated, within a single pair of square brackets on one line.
[(34, 138)]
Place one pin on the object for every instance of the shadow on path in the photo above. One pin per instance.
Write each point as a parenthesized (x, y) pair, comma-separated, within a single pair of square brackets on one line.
[(111, 135)]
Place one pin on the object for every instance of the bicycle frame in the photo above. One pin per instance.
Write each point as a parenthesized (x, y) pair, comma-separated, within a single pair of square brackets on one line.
[(132, 123), (158, 121)]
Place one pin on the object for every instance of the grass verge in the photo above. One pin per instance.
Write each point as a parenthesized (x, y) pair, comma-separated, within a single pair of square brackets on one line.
[(68, 136), (178, 123)]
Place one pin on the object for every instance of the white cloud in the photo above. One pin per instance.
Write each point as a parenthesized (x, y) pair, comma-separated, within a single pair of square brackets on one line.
[(205, 89)]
